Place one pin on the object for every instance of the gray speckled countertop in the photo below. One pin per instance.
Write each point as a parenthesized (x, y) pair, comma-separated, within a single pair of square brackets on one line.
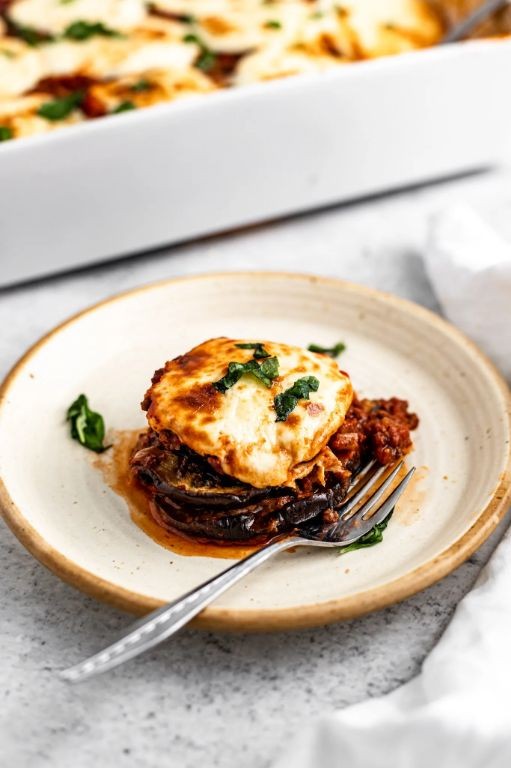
[(204, 699)]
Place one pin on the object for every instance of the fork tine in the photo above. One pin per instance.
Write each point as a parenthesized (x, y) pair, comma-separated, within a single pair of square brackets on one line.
[(364, 488), (361, 473), (359, 526), (379, 492)]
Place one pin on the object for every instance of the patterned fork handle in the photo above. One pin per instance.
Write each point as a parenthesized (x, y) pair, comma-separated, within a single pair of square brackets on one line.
[(164, 622)]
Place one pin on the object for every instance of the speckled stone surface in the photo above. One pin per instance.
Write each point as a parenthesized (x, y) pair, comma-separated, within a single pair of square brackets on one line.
[(204, 699)]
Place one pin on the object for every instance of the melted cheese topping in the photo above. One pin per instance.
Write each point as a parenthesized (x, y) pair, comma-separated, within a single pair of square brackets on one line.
[(245, 25), (148, 47), (195, 45), (239, 427), (239, 31), (55, 15), (20, 67), (276, 62), (20, 116), (161, 85)]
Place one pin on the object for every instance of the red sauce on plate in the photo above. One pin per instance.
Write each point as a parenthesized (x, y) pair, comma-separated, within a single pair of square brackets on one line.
[(114, 465)]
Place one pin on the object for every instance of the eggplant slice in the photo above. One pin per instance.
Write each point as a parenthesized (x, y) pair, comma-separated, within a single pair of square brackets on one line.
[(186, 493), (189, 496)]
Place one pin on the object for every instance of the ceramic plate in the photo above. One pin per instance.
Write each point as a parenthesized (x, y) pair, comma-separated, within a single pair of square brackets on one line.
[(59, 506)]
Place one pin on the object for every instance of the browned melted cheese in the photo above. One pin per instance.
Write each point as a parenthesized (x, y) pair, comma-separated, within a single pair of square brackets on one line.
[(239, 428)]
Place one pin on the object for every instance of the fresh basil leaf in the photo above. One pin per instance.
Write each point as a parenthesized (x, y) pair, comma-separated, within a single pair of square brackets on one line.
[(284, 404), (259, 351), (264, 372), (124, 106), (83, 30), (141, 85), (191, 38), (207, 59), (273, 24), (29, 35), (59, 109), (234, 373), (334, 351), (287, 401), (5, 133), (369, 539), (87, 426), (303, 387), (270, 367)]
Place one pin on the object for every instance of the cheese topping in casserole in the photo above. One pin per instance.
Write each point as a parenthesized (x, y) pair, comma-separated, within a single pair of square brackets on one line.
[(20, 67), (239, 427), (81, 48), (22, 115), (55, 15)]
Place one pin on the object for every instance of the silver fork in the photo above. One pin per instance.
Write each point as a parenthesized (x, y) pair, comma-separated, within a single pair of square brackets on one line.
[(478, 15), (164, 622)]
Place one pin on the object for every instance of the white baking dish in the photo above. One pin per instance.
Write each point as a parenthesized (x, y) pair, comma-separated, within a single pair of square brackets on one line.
[(136, 181)]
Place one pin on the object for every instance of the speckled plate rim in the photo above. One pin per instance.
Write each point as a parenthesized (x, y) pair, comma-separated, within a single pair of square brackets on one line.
[(347, 607)]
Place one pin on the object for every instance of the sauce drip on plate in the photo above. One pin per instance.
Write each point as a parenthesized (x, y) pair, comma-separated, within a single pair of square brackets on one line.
[(114, 466)]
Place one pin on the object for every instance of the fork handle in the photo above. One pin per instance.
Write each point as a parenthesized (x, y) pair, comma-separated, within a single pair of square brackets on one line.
[(480, 14), (164, 622)]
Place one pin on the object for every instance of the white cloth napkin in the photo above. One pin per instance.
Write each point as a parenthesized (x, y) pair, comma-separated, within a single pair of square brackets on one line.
[(469, 266), (457, 712)]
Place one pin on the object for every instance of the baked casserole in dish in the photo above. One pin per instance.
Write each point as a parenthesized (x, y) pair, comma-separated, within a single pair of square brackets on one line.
[(263, 144), (66, 61)]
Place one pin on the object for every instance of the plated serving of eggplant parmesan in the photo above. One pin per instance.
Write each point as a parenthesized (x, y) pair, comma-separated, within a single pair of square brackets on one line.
[(63, 62), (248, 438)]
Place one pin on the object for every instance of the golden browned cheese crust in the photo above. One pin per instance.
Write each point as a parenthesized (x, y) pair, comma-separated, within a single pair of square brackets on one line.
[(239, 427)]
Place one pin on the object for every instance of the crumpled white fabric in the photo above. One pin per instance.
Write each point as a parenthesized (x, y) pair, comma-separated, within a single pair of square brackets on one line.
[(469, 266), (457, 712)]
